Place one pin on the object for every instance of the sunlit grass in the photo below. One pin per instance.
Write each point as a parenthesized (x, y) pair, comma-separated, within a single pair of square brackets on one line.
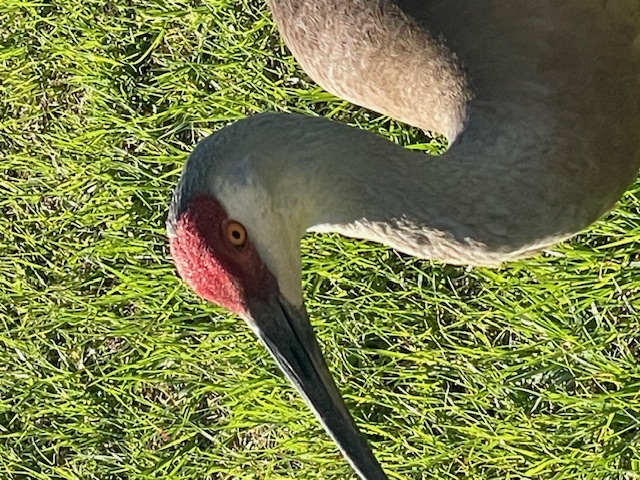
[(111, 368)]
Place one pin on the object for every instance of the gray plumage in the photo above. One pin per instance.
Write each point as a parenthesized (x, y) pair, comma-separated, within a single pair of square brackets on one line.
[(540, 100), (544, 93)]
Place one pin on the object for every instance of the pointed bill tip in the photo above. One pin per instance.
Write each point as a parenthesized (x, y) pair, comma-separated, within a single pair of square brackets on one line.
[(289, 337)]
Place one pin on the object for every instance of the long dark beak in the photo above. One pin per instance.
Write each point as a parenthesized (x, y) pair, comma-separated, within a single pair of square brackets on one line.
[(288, 335)]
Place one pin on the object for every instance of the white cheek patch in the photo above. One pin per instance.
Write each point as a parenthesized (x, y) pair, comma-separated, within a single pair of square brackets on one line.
[(274, 236)]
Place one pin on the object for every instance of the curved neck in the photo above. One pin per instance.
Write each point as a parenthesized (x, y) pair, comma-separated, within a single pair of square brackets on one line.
[(460, 208), (489, 199), (551, 142), (547, 93)]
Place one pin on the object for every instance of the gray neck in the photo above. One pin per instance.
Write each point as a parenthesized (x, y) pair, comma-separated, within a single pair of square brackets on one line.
[(550, 142), (546, 92), (469, 206)]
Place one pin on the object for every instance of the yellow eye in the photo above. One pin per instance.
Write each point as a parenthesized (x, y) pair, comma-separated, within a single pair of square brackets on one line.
[(236, 233)]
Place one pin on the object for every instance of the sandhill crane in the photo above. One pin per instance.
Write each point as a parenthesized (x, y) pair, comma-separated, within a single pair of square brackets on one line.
[(539, 99)]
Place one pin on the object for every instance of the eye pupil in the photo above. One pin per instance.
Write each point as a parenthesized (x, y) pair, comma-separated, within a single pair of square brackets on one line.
[(235, 233)]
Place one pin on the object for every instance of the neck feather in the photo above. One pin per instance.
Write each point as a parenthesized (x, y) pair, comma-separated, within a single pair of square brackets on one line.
[(466, 207)]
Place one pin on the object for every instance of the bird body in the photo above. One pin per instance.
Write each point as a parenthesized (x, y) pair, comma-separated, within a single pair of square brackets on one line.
[(539, 100)]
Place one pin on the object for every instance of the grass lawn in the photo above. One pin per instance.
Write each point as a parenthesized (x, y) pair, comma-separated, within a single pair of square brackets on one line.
[(111, 368)]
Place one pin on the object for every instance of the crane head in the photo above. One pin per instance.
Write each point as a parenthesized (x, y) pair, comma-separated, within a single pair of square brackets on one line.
[(218, 258), (215, 257)]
